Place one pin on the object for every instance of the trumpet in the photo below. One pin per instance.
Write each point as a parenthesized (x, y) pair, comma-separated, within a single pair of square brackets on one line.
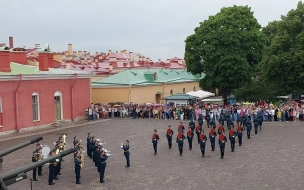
[(107, 152)]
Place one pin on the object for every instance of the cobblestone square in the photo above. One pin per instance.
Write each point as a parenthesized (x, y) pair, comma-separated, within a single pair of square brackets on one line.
[(272, 159)]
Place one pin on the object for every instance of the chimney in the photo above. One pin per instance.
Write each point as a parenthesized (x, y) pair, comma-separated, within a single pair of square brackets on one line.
[(19, 56), (180, 61), (131, 56), (37, 46), (43, 61), (11, 42), (110, 51), (50, 60), (66, 53), (124, 51), (96, 54), (68, 66), (58, 57), (68, 58), (159, 60), (75, 53), (168, 61), (70, 49), (112, 59), (85, 53), (5, 60), (79, 53)]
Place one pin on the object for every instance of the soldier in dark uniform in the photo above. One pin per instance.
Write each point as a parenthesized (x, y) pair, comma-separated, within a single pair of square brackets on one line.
[(192, 125), (75, 140), (180, 141), (92, 145), (212, 123), (221, 120), (232, 135), (243, 119), (169, 136), (102, 165), (200, 121), (222, 141), (94, 151), (198, 130), (238, 120), (97, 154), (190, 135), (55, 164), (220, 129), (230, 124), (126, 148), (203, 140), (155, 139), (88, 144), (39, 152), (35, 158), (240, 133), (248, 126), (260, 118), (208, 118), (212, 135), (52, 165), (256, 125), (228, 118), (78, 166)]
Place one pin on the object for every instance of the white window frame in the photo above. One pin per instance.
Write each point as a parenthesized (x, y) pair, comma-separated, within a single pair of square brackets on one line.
[(37, 118), (58, 93)]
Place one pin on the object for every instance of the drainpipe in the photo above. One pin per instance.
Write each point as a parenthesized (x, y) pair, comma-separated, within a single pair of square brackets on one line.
[(163, 91), (130, 93), (72, 97), (16, 103)]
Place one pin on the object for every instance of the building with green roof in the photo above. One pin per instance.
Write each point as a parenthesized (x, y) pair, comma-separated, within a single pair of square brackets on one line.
[(144, 86)]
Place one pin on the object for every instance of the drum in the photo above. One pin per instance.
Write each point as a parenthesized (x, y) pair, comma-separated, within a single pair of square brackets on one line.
[(45, 151)]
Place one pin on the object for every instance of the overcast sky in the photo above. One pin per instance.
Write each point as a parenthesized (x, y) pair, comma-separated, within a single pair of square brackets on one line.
[(156, 29)]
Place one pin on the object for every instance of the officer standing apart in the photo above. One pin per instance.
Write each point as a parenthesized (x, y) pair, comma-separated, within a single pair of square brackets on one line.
[(212, 135), (222, 141), (78, 166), (169, 136), (240, 133), (155, 139), (126, 148), (190, 135), (203, 140), (256, 125), (248, 126), (180, 141), (232, 135), (102, 165)]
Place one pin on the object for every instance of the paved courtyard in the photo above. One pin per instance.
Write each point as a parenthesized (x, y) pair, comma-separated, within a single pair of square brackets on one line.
[(272, 159)]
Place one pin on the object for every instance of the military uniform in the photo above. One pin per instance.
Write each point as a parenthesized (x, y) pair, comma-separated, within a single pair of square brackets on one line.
[(240, 134), (212, 135), (35, 159), (248, 126), (180, 141), (102, 166), (256, 125), (155, 139), (203, 140), (169, 136), (222, 141), (190, 138), (232, 135), (78, 166), (127, 153)]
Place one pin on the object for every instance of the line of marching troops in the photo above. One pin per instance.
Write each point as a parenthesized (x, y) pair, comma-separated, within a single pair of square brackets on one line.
[(202, 137)]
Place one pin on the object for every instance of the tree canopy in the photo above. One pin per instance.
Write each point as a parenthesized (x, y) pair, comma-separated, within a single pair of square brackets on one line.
[(283, 62), (226, 48)]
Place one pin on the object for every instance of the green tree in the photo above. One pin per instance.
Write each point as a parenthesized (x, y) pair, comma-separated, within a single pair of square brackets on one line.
[(226, 48), (283, 62)]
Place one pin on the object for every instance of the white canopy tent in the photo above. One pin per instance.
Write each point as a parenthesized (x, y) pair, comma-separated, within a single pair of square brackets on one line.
[(201, 94)]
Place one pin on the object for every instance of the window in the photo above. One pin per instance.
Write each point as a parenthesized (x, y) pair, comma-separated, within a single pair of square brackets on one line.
[(35, 106), (0, 105), (184, 90), (171, 92), (193, 88)]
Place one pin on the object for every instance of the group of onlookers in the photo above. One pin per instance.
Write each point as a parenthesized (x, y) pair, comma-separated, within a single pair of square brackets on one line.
[(284, 112)]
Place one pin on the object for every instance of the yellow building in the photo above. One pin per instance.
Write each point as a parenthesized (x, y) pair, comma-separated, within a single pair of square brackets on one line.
[(144, 86)]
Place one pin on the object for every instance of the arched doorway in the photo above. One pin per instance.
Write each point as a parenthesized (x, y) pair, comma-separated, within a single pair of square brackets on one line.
[(1, 109), (58, 105)]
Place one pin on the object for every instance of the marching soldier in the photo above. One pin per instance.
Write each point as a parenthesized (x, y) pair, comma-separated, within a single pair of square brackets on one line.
[(169, 136), (232, 135), (222, 141), (220, 129), (260, 119), (78, 166), (230, 124), (200, 121), (221, 120), (198, 130), (102, 165), (256, 125), (126, 148), (88, 144), (192, 125), (190, 137), (181, 127), (248, 126), (212, 135), (52, 165), (212, 123), (208, 119), (203, 140), (180, 141), (155, 139), (240, 133)]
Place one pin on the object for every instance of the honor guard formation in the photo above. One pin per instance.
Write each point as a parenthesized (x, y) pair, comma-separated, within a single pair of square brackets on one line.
[(99, 155)]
